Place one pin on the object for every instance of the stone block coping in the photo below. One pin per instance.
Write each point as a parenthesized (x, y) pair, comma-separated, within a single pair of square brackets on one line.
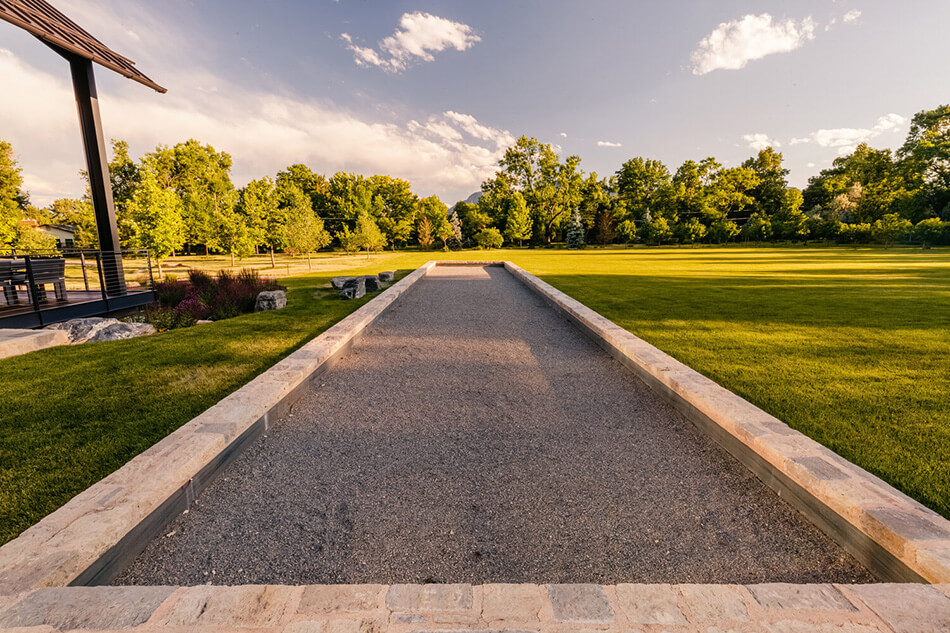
[(16, 342), (46, 573), (776, 608)]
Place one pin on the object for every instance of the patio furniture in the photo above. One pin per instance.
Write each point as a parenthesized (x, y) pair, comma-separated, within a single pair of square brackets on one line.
[(49, 270), (12, 274)]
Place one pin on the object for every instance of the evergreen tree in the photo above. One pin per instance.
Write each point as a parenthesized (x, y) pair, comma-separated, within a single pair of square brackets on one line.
[(575, 230)]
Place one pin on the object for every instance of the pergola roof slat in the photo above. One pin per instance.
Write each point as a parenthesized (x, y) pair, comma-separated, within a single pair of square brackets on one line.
[(41, 19)]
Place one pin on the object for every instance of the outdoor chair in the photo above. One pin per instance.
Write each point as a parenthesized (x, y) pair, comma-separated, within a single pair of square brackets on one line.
[(12, 274), (49, 270)]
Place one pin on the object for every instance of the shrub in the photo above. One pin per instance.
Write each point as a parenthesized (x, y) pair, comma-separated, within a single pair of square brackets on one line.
[(205, 297), (489, 239)]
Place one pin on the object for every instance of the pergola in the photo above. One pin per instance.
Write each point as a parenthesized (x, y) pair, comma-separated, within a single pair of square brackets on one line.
[(81, 49)]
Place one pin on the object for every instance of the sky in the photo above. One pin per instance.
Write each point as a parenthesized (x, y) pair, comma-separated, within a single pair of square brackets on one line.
[(434, 91)]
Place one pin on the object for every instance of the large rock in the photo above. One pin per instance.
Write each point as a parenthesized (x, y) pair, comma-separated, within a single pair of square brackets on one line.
[(96, 329), (372, 283), (270, 300), (386, 277), (353, 288), (339, 282)]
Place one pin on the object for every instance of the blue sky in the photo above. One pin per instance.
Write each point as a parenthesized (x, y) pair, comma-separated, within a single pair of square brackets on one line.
[(433, 91)]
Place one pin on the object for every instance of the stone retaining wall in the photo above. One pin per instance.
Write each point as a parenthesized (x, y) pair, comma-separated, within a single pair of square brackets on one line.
[(774, 608), (893, 535)]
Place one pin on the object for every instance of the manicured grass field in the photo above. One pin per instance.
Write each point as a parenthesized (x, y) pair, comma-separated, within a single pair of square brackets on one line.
[(850, 346)]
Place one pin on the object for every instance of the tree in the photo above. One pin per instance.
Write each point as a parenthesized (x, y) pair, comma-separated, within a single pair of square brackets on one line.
[(156, 211), (125, 176), (789, 223), (437, 214), (932, 231), (257, 204), (658, 230), (575, 231), (368, 236), (645, 187), (474, 219), (518, 224), (768, 194), (722, 230), (690, 231), (627, 231), (456, 223), (758, 228), (890, 228), (425, 234), (10, 196), (926, 156), (303, 232), (489, 238)]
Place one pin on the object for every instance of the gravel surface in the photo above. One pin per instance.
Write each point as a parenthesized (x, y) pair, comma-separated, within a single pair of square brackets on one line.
[(473, 435)]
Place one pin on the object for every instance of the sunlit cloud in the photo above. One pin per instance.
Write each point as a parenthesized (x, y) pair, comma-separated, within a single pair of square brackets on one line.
[(732, 45), (846, 139), (419, 36), (759, 142), (608, 144)]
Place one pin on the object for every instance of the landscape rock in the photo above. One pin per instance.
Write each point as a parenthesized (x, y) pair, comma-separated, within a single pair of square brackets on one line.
[(270, 300), (96, 329), (354, 288), (386, 276), (372, 283), (339, 282)]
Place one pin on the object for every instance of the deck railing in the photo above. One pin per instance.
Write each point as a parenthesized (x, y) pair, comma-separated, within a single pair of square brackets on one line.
[(43, 282)]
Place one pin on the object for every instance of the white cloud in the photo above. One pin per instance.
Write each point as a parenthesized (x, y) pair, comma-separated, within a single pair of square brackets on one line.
[(419, 36), (608, 144), (759, 142), (564, 134), (450, 153), (734, 44), (851, 16), (846, 139)]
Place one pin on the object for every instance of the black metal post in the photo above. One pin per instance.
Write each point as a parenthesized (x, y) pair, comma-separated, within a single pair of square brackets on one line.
[(102, 281), (32, 290), (85, 277), (97, 162)]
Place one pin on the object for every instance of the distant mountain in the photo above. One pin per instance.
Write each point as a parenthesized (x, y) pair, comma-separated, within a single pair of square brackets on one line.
[(473, 199)]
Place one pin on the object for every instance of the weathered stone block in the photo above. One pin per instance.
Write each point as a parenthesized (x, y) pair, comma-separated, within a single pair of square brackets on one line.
[(811, 597), (907, 608), (353, 289), (580, 603), (649, 604), (227, 606), (334, 598), (93, 608), (714, 603), (386, 276), (511, 602), (413, 598)]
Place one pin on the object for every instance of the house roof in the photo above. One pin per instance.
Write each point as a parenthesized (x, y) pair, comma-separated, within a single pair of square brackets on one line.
[(61, 227), (45, 22)]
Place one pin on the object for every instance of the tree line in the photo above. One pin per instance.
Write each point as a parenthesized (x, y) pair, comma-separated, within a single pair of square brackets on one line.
[(181, 199)]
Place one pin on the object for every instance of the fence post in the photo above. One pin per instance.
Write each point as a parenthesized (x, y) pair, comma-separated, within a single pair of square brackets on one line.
[(85, 277)]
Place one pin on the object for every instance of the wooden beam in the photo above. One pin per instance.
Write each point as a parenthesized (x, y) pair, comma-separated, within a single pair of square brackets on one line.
[(97, 164)]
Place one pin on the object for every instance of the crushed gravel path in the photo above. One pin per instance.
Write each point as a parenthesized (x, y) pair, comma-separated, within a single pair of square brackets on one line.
[(473, 435)]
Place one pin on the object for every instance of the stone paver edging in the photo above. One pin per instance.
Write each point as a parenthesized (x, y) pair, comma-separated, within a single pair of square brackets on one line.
[(775, 608), (103, 527), (894, 536), (83, 542)]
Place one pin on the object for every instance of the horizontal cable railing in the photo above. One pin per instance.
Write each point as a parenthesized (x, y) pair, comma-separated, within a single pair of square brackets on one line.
[(42, 280)]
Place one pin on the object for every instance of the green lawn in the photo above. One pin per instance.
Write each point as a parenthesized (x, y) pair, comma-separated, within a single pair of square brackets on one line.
[(850, 346)]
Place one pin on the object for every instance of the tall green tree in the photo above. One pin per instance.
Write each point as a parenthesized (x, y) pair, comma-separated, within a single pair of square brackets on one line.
[(768, 194), (11, 180), (518, 223), (157, 214)]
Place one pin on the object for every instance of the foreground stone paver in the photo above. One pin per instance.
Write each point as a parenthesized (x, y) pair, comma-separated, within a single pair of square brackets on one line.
[(15, 342), (778, 608)]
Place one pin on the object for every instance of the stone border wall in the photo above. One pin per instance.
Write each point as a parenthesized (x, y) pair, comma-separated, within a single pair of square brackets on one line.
[(772, 608), (91, 538), (896, 537)]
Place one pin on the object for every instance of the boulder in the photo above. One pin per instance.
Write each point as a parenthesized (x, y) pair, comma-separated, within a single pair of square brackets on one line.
[(339, 282), (270, 300), (387, 276), (95, 329), (354, 288), (120, 330), (372, 283)]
